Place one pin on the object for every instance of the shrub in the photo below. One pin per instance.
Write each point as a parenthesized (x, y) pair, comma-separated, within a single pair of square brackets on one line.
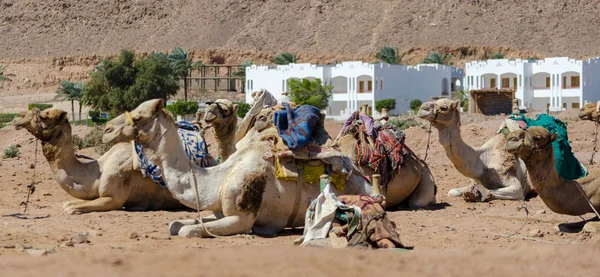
[(243, 109), (2, 125), (6, 117), (94, 114), (389, 104), (183, 108), (307, 92), (77, 142), (415, 104), (12, 152), (39, 106), (218, 59), (94, 139), (403, 124)]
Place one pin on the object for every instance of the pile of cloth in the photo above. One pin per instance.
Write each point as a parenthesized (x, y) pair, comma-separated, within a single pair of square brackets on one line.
[(567, 165), (379, 146), (348, 221), (192, 140)]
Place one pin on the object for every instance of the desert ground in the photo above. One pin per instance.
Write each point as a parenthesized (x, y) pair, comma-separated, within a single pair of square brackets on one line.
[(452, 238)]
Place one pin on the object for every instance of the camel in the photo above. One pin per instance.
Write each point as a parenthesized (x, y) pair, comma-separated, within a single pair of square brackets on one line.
[(589, 111), (496, 173), (413, 184), (534, 147), (243, 192), (222, 115), (109, 183)]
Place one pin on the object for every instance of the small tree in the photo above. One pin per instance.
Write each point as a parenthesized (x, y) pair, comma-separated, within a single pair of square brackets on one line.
[(243, 109), (183, 108), (497, 56), (118, 86), (389, 55), (284, 58), (389, 104), (306, 92), (415, 104), (463, 98), (71, 91), (182, 66), (437, 57), (241, 73)]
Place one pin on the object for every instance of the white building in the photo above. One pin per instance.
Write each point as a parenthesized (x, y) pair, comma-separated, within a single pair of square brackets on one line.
[(358, 83), (553, 83)]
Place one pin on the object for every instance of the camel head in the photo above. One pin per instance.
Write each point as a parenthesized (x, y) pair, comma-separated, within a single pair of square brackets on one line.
[(441, 113), (119, 129), (44, 125), (589, 112), (219, 111), (534, 143)]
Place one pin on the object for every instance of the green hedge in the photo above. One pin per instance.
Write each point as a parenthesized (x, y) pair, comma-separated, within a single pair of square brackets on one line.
[(243, 109), (39, 106), (6, 117), (183, 108), (415, 104), (94, 114), (390, 104)]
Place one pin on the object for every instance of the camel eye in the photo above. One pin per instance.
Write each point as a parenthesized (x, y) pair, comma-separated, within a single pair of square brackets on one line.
[(537, 138)]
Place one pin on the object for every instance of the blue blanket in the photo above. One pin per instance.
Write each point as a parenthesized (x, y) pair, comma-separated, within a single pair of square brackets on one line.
[(193, 144), (296, 126)]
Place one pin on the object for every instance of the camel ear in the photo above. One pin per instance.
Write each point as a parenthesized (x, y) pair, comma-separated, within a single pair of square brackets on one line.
[(235, 108), (454, 105), (553, 137), (62, 116), (158, 106)]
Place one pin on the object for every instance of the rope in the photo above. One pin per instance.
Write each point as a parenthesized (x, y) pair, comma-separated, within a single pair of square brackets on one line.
[(31, 187), (595, 141), (428, 142), (200, 218), (586, 198)]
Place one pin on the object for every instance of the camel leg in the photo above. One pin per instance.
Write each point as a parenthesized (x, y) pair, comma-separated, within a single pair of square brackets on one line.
[(514, 190), (458, 192), (176, 225), (227, 226), (96, 205), (424, 193), (72, 203)]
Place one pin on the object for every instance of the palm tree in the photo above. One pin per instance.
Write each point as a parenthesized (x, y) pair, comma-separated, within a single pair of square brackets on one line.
[(4, 76), (71, 91), (241, 73), (497, 56), (437, 57), (182, 65), (284, 58), (389, 55)]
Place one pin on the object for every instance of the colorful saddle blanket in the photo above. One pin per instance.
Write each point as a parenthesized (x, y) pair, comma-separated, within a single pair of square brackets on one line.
[(193, 144)]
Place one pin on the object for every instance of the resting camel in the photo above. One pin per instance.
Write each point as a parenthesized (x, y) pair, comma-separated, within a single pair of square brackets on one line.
[(589, 111), (534, 146), (109, 183), (243, 192), (502, 174), (222, 115), (413, 182)]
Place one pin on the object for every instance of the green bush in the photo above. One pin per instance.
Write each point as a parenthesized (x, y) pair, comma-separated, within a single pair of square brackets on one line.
[(12, 152), (389, 104), (6, 117), (39, 106), (183, 108), (307, 92), (243, 109), (415, 104), (403, 124), (77, 142), (94, 114), (2, 125)]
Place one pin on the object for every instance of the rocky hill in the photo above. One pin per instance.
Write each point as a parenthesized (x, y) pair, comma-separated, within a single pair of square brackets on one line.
[(32, 28)]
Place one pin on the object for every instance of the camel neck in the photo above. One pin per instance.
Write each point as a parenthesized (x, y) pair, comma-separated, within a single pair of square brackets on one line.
[(560, 195), (166, 150), (73, 176), (225, 137), (465, 158)]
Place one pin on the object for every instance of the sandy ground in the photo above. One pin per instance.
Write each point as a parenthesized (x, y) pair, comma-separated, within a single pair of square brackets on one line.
[(452, 238)]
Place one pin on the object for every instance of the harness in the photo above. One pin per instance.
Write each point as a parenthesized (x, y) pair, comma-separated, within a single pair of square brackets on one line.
[(221, 110)]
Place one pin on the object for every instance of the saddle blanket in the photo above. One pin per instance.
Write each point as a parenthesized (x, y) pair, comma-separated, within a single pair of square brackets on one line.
[(193, 144)]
